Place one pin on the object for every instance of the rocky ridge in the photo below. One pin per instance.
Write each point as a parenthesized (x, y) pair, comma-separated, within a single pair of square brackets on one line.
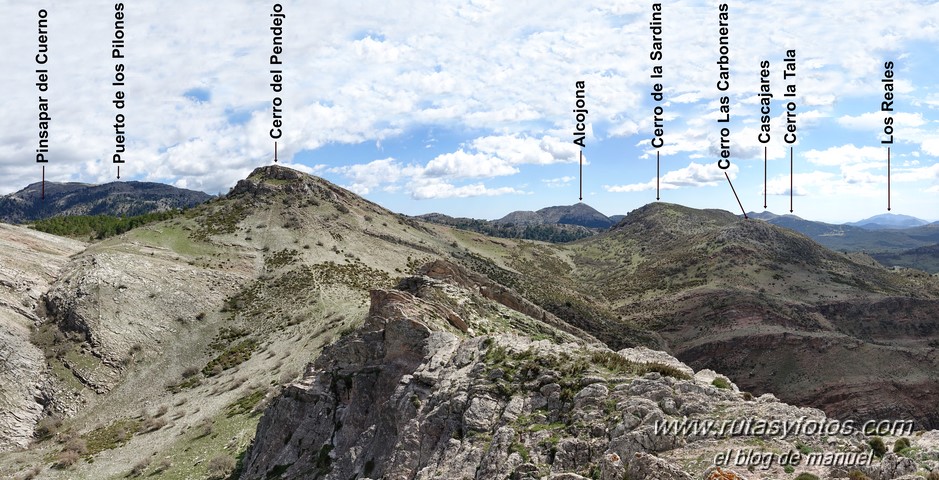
[(414, 395)]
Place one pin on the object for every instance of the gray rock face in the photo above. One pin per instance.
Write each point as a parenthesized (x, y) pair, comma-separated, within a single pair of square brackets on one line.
[(891, 467), (647, 355), (412, 396), (29, 262)]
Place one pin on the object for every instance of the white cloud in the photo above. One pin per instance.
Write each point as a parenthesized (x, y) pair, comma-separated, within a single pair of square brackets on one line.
[(694, 175), (376, 51), (433, 190), (845, 154), (558, 182), (875, 120), (368, 176), (521, 150), (803, 183), (930, 146), (929, 173), (497, 75), (461, 164)]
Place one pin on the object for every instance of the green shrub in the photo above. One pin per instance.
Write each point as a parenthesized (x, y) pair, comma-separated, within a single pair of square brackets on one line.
[(231, 357), (77, 445), (32, 473), (901, 444), (66, 459), (245, 404), (521, 449), (877, 446), (806, 476), (721, 382), (112, 436), (139, 468)]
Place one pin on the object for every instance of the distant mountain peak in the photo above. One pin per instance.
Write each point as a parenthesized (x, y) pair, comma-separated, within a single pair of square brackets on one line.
[(272, 179), (888, 221), (577, 214), (673, 218), (113, 198)]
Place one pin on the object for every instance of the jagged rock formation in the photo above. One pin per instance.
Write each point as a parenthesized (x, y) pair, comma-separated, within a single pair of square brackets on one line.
[(413, 395), (115, 198), (453, 274)]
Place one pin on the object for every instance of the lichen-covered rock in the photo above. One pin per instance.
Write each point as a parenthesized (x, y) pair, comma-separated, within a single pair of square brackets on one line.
[(643, 466)]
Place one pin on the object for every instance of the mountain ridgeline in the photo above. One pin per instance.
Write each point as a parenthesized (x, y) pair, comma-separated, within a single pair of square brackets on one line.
[(123, 199), (292, 329), (558, 224), (893, 240)]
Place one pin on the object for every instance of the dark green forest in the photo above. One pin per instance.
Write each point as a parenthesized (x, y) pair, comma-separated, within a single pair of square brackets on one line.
[(98, 227), (554, 233)]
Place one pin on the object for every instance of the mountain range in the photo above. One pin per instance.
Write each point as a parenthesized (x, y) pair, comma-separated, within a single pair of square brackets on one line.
[(893, 240), (888, 221), (292, 329), (116, 198), (557, 224), (912, 247)]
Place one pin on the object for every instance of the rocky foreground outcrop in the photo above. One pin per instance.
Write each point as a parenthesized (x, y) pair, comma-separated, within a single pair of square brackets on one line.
[(413, 394), (29, 262)]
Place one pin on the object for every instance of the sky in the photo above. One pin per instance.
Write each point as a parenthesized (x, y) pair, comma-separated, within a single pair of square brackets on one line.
[(466, 107)]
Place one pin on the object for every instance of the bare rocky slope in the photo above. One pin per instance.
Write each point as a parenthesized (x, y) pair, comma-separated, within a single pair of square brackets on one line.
[(157, 348), (29, 262)]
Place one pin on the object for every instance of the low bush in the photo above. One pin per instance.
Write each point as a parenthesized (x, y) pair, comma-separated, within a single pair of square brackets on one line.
[(221, 466), (721, 382), (877, 446), (901, 445)]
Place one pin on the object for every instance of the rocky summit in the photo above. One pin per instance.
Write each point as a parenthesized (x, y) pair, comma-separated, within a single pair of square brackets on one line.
[(294, 330)]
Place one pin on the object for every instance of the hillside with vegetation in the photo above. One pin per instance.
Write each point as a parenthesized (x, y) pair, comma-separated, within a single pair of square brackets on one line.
[(190, 346)]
